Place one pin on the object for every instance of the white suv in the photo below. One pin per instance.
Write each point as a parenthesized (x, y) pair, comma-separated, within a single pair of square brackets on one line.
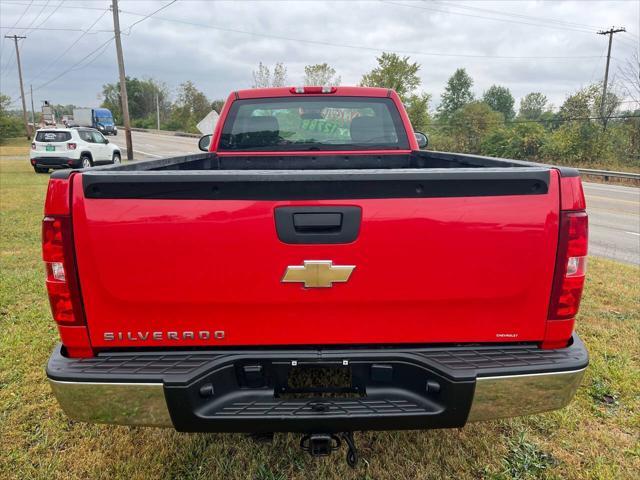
[(71, 148)]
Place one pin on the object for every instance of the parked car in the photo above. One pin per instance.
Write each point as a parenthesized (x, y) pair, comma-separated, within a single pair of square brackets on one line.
[(315, 240), (54, 148)]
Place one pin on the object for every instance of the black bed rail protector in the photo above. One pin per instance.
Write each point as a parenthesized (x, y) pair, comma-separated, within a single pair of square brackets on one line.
[(316, 184), (482, 161)]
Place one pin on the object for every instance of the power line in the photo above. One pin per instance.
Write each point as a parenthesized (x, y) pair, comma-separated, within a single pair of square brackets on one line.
[(148, 16), (485, 17), (517, 15), (18, 21), (75, 67), (37, 16), (77, 7), (8, 66), (75, 42), (60, 29), (363, 47), (49, 16)]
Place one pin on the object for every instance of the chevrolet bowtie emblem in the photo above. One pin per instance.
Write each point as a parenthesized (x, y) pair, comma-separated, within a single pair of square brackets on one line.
[(317, 273)]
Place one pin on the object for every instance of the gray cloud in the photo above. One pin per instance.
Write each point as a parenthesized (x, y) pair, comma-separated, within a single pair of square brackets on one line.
[(219, 61)]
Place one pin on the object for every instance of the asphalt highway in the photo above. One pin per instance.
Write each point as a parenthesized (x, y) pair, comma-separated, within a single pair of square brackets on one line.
[(614, 211)]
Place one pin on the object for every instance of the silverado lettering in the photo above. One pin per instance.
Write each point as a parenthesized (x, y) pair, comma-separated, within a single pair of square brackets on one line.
[(462, 307), (160, 336)]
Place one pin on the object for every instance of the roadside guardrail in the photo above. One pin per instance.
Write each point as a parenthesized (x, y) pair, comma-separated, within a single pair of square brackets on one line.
[(162, 132), (607, 175)]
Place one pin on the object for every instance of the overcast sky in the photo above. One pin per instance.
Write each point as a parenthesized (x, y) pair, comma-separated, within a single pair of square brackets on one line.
[(218, 44)]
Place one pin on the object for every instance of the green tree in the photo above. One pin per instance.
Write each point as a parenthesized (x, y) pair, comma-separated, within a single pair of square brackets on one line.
[(393, 72), (10, 125), (520, 141), (141, 95), (320, 74), (217, 105), (470, 124), (532, 106), (500, 99), (191, 106), (457, 94), (417, 106), (586, 102)]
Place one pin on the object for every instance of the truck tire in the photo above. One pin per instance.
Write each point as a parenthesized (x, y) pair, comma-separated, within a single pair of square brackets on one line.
[(41, 170), (116, 159), (115, 132), (85, 161)]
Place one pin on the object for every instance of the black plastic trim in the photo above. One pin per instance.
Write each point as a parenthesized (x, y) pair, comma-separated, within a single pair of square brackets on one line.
[(318, 225), (317, 184), (179, 367)]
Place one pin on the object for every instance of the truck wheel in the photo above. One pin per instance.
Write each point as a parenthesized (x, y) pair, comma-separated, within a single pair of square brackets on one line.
[(115, 132), (116, 159), (41, 170), (85, 161)]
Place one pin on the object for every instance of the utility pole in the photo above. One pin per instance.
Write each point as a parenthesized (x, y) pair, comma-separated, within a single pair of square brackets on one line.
[(609, 32), (124, 101), (33, 110), (158, 109), (24, 105)]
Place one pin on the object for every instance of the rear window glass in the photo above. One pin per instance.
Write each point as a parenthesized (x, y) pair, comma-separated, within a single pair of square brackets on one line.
[(313, 123), (44, 136)]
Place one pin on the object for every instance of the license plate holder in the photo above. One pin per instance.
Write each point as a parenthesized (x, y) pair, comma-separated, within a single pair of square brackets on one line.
[(316, 380)]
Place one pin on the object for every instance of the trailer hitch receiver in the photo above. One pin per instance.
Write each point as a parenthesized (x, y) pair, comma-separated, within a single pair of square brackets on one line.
[(323, 444)]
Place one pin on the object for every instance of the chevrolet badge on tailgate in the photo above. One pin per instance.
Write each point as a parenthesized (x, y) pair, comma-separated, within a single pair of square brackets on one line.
[(317, 273)]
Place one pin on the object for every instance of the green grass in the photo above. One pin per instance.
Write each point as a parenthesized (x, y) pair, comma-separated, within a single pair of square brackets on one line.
[(596, 436), (14, 147)]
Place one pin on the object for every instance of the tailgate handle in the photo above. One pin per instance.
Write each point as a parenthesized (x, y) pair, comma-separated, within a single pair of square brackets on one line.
[(330, 224), (317, 222)]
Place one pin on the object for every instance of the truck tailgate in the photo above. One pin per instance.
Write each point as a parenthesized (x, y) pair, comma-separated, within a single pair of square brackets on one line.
[(204, 271)]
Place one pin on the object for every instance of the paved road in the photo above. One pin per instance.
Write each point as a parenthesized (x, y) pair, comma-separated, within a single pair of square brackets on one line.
[(614, 211), (614, 221), (151, 145)]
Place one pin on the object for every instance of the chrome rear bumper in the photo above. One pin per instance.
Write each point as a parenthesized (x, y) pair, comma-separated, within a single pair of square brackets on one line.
[(165, 389), (117, 403), (518, 395), (144, 404)]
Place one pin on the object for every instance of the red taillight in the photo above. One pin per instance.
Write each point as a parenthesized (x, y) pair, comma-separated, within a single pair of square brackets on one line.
[(33, 145), (571, 263), (324, 89), (72, 146), (61, 281)]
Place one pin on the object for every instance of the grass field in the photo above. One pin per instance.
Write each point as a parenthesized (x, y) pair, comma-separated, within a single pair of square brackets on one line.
[(597, 436)]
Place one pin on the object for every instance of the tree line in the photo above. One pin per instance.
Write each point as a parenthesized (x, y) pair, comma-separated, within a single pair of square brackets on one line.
[(586, 130)]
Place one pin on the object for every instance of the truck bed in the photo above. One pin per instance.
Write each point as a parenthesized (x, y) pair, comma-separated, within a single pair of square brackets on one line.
[(414, 175)]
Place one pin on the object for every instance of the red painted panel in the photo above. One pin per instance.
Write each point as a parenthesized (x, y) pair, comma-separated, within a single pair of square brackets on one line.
[(474, 269), (76, 341), (58, 197), (572, 194)]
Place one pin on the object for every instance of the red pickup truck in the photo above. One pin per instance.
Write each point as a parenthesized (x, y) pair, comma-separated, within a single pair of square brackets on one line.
[(315, 271)]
